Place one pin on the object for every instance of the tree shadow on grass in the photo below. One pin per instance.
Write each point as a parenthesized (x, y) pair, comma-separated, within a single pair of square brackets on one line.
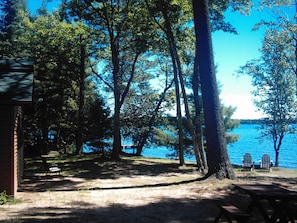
[(93, 167), (47, 184), (63, 184), (78, 170), (165, 210), (110, 169), (282, 181)]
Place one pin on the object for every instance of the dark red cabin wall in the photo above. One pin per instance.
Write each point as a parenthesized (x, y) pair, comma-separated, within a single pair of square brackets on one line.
[(8, 143)]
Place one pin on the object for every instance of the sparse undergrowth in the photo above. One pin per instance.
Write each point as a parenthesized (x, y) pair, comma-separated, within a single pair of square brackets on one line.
[(4, 198)]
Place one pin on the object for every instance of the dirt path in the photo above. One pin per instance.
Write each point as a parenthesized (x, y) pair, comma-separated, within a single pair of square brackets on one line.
[(130, 191)]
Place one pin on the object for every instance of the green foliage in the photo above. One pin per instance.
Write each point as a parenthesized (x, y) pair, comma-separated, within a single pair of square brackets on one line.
[(274, 79), (140, 111), (217, 10), (97, 125), (167, 134), (4, 198), (121, 39), (55, 46), (230, 123), (276, 3), (13, 13), (124, 34)]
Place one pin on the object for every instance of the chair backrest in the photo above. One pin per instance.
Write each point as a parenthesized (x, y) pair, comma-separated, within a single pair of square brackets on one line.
[(266, 163), (247, 160)]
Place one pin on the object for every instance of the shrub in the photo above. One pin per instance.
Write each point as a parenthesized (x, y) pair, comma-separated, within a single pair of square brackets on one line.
[(4, 198)]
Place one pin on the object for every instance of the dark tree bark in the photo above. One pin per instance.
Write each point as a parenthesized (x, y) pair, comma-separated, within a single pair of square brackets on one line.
[(296, 45), (179, 82), (117, 95), (81, 102), (217, 157), (172, 49), (198, 113)]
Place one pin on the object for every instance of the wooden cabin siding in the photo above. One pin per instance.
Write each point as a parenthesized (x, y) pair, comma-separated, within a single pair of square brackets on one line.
[(18, 145), (15, 150), (11, 148), (6, 149), (16, 87)]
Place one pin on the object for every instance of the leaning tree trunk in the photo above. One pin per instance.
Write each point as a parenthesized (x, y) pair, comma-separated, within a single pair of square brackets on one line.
[(178, 76), (179, 122), (145, 135), (217, 156), (170, 39), (198, 115), (178, 111), (193, 133)]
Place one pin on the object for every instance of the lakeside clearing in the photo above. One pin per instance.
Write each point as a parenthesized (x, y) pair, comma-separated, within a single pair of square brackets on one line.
[(134, 189)]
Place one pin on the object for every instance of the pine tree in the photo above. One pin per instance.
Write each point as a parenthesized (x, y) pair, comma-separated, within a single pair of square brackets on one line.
[(217, 156), (12, 14)]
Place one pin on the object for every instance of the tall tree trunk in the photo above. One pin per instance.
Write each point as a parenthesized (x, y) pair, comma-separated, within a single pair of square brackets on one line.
[(179, 80), (198, 109), (119, 99), (296, 45), (179, 119), (276, 162), (80, 126), (44, 140), (217, 156), (44, 125), (170, 38), (188, 118), (277, 142), (117, 107)]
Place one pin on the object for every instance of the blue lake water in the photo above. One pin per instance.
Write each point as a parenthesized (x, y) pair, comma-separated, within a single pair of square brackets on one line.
[(248, 142)]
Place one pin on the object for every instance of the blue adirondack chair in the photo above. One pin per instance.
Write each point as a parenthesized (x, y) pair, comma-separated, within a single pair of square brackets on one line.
[(247, 162), (266, 162)]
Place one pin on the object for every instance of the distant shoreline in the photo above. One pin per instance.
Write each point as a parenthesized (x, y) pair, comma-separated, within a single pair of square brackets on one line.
[(250, 121)]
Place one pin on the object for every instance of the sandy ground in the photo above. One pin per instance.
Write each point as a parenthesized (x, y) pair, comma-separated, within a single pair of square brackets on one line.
[(129, 191)]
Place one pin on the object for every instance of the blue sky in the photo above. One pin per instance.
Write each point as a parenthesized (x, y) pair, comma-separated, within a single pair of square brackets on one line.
[(230, 52), (35, 4)]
